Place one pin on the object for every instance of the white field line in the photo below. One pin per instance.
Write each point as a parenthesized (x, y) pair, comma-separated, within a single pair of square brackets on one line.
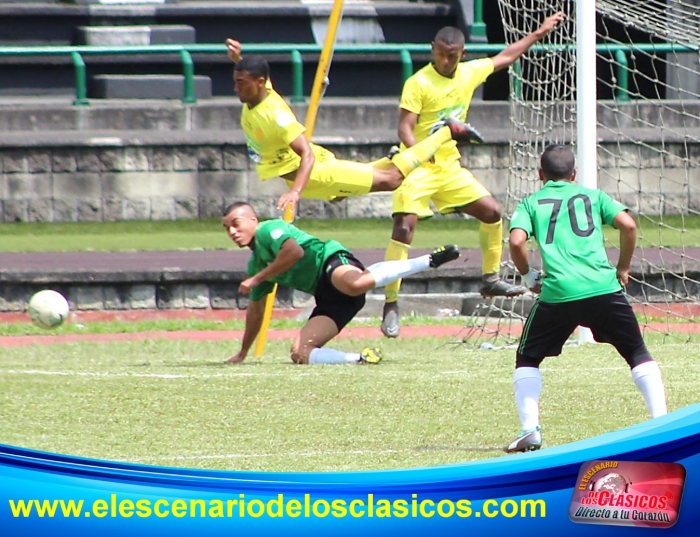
[(168, 376), (174, 376), (292, 376)]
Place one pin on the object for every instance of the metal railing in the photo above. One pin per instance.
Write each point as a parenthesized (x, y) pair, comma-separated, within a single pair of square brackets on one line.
[(295, 51), (478, 27)]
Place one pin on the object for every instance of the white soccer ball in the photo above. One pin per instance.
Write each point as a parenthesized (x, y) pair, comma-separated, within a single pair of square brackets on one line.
[(48, 309)]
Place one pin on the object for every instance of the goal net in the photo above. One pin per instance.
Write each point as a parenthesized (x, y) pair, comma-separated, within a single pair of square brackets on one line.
[(648, 147)]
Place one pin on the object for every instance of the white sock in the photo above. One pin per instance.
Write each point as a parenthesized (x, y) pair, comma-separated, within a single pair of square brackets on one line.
[(647, 378), (387, 272), (528, 386), (332, 356)]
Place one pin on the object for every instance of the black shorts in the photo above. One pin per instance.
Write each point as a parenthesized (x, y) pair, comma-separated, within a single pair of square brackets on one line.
[(610, 318), (329, 301)]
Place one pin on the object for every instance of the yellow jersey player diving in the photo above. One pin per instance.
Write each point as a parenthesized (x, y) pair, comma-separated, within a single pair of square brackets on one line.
[(279, 148)]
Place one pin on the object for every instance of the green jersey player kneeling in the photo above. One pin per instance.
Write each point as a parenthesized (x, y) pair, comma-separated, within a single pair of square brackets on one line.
[(283, 254)]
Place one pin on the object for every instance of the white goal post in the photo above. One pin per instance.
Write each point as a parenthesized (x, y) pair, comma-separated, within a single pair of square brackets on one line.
[(619, 80)]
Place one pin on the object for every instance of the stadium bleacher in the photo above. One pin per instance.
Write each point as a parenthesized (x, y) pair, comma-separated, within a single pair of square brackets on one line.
[(147, 22)]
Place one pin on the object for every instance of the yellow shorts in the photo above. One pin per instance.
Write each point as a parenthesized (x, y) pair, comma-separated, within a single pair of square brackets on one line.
[(334, 178), (447, 187)]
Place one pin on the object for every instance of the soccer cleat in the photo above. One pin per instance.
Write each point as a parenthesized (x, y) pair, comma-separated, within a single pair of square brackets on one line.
[(443, 254), (390, 322), (526, 441), (500, 287), (393, 150), (371, 355), (463, 132)]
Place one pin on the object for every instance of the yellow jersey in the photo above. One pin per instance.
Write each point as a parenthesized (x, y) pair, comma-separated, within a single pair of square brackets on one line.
[(435, 97), (269, 128)]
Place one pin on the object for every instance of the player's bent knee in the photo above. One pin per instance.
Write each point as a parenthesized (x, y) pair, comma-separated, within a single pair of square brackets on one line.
[(492, 215), (403, 233), (488, 210), (639, 357), (395, 181), (527, 361), (494, 218), (357, 288), (387, 181)]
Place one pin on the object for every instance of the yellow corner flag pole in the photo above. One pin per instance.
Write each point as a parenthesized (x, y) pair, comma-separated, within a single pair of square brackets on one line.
[(324, 65), (317, 91)]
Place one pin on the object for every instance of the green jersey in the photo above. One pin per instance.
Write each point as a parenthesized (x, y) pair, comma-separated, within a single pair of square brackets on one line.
[(567, 220), (304, 275)]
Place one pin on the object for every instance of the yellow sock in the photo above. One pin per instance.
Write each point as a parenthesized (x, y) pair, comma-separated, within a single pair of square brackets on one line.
[(396, 251), (491, 243), (383, 163), (409, 159)]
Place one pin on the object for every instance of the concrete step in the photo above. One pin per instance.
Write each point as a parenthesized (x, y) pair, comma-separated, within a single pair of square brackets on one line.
[(336, 116), (164, 34), (146, 87), (288, 21)]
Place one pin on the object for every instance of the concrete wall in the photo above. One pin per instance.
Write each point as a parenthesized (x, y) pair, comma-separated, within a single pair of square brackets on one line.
[(166, 289), (164, 160), (132, 181), (159, 181), (175, 289)]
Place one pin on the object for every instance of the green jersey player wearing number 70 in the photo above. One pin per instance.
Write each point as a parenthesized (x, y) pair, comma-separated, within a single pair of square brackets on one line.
[(579, 287)]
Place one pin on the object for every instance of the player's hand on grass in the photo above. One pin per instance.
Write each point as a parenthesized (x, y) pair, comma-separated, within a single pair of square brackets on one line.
[(247, 285), (288, 198), (233, 49), (237, 358), (623, 276)]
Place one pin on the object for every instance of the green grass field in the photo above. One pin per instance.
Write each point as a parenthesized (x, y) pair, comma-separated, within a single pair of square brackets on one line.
[(176, 404), (176, 325), (208, 234)]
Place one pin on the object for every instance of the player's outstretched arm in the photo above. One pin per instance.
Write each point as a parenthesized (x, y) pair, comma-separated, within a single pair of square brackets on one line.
[(253, 321), (511, 53), (628, 239)]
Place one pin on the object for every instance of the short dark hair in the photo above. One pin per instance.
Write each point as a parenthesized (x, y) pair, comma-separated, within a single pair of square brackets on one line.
[(557, 162), (235, 205), (257, 66), (450, 35)]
